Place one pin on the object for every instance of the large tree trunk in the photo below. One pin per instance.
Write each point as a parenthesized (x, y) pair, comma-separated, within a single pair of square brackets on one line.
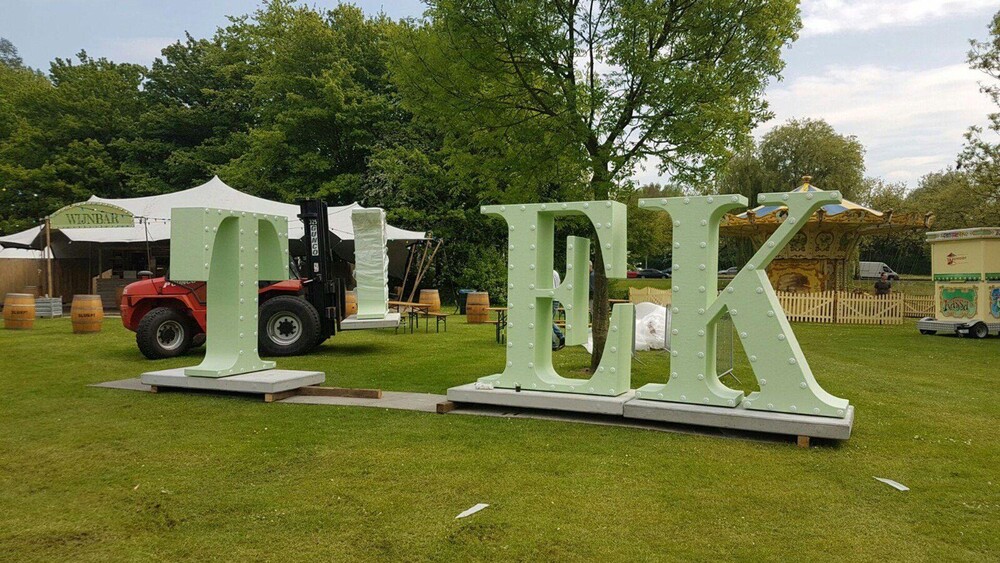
[(601, 313)]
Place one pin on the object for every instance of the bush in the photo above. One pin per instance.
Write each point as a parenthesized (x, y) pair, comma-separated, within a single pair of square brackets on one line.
[(486, 271)]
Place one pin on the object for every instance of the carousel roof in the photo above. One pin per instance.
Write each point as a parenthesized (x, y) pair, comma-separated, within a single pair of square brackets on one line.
[(846, 214)]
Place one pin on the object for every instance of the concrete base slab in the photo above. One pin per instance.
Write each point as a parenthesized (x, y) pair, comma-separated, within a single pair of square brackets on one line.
[(131, 384), (742, 419), (352, 322), (266, 381), (592, 404)]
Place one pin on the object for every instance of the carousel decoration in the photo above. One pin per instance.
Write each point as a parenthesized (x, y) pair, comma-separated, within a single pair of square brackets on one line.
[(819, 257)]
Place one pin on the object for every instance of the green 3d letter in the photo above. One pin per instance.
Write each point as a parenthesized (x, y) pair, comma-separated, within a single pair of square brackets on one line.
[(231, 250), (783, 374), (530, 295)]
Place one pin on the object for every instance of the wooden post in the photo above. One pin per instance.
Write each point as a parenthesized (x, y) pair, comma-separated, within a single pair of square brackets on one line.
[(420, 267), (48, 257)]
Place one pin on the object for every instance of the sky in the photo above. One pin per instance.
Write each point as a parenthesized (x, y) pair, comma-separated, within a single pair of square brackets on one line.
[(890, 72)]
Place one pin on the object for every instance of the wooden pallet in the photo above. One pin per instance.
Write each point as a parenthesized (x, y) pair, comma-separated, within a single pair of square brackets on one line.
[(311, 390), (319, 391)]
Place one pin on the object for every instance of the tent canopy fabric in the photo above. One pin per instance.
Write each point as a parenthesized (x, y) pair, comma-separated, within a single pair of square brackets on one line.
[(152, 215), (23, 239), (22, 254)]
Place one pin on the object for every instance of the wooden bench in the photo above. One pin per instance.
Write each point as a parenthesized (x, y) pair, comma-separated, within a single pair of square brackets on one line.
[(438, 319)]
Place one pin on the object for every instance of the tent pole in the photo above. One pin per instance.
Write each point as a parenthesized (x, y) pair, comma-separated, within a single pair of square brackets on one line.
[(48, 257), (416, 281), (406, 275), (424, 268)]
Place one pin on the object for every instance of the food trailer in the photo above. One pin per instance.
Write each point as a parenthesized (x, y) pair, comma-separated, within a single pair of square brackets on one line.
[(966, 266)]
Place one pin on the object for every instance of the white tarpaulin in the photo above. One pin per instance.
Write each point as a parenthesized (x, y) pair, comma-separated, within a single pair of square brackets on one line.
[(22, 254), (652, 328), (23, 239), (371, 263), (152, 215)]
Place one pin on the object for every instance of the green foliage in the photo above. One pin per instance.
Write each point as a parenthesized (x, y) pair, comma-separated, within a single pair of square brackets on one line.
[(486, 271), (8, 54), (811, 147), (650, 232), (904, 251), (596, 89), (514, 101), (981, 154), (806, 147), (60, 139)]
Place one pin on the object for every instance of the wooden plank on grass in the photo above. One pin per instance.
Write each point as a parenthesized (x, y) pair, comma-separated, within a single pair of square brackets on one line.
[(318, 391), (272, 397)]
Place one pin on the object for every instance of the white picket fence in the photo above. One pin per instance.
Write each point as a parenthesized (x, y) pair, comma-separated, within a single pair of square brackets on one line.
[(840, 307), (843, 307)]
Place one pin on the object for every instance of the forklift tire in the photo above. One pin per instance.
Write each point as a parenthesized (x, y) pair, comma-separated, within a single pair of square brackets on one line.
[(288, 326), (164, 333)]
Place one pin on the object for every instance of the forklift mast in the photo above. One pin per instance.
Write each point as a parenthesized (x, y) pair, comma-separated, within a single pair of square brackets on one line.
[(323, 289)]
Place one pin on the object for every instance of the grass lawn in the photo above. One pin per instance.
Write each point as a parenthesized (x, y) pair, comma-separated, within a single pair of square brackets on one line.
[(96, 474)]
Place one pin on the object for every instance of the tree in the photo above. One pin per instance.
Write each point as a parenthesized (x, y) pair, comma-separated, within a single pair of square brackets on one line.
[(799, 147), (957, 200), (8, 54), (811, 147), (981, 153), (597, 86), (650, 232), (59, 138), (906, 251)]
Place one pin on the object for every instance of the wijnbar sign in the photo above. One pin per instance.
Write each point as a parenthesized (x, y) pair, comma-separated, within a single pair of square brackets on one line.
[(90, 215)]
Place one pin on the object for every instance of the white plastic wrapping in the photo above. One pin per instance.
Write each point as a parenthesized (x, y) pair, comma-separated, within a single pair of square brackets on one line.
[(371, 268), (652, 328)]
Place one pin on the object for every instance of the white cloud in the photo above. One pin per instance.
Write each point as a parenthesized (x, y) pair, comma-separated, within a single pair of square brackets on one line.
[(820, 17), (911, 122)]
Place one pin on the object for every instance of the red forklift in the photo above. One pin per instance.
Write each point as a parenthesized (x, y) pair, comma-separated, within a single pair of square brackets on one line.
[(296, 315)]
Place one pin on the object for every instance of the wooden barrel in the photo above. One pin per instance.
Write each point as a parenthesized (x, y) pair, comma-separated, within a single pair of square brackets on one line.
[(19, 311), (432, 298), (351, 303), (476, 308), (87, 313)]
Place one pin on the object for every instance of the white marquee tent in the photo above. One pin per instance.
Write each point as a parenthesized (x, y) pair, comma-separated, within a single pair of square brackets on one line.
[(96, 253), (152, 215)]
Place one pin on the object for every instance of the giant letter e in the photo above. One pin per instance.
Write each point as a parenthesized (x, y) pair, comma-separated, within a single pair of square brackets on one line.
[(530, 294)]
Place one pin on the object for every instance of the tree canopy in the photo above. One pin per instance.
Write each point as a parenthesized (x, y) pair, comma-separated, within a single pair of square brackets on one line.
[(797, 148), (594, 88)]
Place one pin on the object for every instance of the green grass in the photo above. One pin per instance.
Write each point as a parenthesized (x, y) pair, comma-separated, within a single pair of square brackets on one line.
[(618, 289), (96, 474)]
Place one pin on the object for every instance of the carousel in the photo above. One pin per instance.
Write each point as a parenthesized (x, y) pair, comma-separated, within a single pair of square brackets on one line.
[(820, 257)]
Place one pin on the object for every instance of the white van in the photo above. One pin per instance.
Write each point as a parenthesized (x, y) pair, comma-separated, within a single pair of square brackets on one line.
[(874, 271)]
